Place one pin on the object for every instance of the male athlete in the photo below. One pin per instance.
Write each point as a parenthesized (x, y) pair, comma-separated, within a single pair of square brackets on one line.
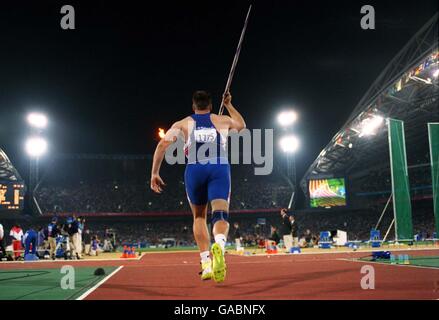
[(207, 175)]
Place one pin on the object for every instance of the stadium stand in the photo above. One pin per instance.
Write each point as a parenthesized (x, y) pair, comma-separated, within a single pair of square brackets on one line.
[(407, 89)]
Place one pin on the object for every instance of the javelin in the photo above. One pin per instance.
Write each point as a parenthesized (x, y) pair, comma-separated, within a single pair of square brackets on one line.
[(235, 61)]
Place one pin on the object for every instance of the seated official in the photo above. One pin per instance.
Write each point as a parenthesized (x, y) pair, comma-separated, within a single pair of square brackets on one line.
[(274, 236)]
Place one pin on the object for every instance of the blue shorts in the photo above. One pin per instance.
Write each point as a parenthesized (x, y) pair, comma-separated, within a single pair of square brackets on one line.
[(207, 182)]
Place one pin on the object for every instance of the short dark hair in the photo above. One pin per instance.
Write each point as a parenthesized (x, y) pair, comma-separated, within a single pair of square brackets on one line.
[(201, 100)]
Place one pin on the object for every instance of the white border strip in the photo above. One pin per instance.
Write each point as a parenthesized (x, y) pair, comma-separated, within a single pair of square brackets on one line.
[(75, 261), (389, 264), (336, 252), (85, 294)]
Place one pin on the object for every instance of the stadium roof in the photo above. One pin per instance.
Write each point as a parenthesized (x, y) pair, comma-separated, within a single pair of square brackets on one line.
[(406, 90), (7, 171)]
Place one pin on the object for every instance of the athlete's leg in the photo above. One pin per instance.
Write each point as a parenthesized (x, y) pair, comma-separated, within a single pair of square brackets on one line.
[(219, 194), (196, 190), (201, 233), (221, 226)]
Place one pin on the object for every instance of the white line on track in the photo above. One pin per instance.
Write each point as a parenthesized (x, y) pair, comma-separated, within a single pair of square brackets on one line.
[(337, 252), (85, 294), (265, 261), (389, 264), (72, 261)]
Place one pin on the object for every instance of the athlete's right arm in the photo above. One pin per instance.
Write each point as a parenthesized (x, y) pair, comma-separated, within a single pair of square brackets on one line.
[(159, 154), (236, 120)]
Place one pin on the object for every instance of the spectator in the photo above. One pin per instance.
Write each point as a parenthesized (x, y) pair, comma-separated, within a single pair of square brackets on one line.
[(285, 230), (94, 250), (107, 247), (308, 237), (16, 235), (41, 241), (2, 241), (29, 242), (77, 237), (237, 235), (294, 231), (52, 233), (274, 236), (87, 242), (71, 228)]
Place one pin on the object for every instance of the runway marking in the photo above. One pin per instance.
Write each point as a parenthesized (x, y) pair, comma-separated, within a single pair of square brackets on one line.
[(190, 264), (335, 252), (89, 291), (389, 264), (137, 258)]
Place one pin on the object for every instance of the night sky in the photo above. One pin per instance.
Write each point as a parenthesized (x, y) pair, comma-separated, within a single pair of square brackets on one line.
[(128, 69)]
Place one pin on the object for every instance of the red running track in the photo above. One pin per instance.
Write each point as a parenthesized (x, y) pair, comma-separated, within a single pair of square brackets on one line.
[(312, 276), (321, 276)]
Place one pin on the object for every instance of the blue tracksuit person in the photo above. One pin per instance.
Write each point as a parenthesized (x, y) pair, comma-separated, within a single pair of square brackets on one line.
[(30, 239)]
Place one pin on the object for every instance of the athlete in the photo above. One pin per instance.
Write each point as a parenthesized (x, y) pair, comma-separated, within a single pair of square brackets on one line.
[(207, 175)]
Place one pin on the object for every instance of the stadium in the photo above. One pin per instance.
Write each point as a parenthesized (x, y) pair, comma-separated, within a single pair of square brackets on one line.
[(369, 198)]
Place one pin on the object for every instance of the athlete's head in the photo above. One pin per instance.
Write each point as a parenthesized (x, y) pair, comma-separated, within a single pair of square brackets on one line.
[(201, 101)]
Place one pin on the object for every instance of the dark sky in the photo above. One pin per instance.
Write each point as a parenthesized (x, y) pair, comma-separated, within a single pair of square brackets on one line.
[(129, 68)]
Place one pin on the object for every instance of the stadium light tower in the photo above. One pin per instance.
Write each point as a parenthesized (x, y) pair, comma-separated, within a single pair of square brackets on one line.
[(287, 118), (289, 144), (37, 120), (370, 125), (36, 147)]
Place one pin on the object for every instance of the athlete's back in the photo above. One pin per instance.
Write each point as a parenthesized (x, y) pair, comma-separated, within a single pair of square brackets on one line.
[(202, 106), (207, 174)]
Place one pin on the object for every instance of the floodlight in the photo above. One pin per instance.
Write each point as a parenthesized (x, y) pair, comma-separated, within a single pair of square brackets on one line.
[(36, 146), (370, 125), (289, 144), (37, 120), (287, 118)]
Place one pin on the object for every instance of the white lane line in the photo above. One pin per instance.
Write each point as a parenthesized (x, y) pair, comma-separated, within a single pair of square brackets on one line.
[(389, 264), (85, 294), (334, 252), (72, 261)]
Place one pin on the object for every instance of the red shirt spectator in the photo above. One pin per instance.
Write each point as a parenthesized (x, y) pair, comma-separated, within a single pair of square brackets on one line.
[(16, 234)]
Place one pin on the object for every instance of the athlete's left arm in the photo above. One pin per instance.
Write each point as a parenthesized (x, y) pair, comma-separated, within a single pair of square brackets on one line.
[(159, 154)]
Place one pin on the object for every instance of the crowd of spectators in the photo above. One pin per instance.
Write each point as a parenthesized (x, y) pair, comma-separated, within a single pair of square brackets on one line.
[(55, 237), (380, 180), (253, 230), (248, 192), (357, 224), (82, 191), (145, 232)]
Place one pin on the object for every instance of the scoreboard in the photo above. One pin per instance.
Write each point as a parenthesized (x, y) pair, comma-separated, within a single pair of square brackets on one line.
[(11, 196)]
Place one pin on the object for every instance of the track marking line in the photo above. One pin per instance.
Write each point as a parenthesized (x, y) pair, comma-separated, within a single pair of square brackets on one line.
[(138, 258), (89, 291), (332, 252), (388, 264), (190, 264)]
